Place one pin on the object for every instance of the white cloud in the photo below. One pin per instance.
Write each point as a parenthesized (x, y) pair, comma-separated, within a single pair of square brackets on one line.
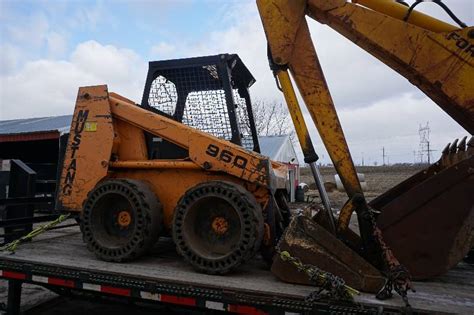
[(163, 50), (47, 87)]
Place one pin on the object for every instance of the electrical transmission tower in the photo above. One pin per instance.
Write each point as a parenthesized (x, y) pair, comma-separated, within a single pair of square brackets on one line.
[(424, 146)]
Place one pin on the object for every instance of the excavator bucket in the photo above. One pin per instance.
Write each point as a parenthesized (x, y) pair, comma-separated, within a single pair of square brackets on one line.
[(428, 220), (312, 244)]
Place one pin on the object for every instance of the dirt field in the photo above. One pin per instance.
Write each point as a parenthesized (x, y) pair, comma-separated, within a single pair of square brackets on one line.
[(378, 178)]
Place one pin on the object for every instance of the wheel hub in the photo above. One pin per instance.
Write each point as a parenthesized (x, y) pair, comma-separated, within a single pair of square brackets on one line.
[(124, 219), (220, 225)]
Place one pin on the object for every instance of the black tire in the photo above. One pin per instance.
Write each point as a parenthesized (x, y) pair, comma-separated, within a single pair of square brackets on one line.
[(109, 207), (206, 247)]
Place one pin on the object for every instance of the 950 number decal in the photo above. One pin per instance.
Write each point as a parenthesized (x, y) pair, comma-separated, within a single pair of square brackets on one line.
[(226, 156)]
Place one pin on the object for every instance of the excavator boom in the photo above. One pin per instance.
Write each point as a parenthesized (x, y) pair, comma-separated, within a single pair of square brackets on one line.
[(435, 56)]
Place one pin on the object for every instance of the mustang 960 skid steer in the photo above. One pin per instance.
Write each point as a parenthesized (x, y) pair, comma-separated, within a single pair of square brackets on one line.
[(137, 172), (425, 223)]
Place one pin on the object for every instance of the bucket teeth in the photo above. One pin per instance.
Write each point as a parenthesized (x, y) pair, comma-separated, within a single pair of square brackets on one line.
[(454, 146), (457, 151), (462, 145), (446, 149), (470, 144)]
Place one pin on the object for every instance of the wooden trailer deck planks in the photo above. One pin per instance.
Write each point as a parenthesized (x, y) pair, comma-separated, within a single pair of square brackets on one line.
[(451, 293)]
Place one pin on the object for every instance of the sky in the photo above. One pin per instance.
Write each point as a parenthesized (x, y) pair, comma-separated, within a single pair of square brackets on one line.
[(49, 48)]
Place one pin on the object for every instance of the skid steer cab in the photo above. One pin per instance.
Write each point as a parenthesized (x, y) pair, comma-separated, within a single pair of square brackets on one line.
[(220, 202)]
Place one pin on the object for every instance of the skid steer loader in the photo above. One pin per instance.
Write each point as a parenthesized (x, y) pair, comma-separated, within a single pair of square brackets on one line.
[(137, 172), (421, 227)]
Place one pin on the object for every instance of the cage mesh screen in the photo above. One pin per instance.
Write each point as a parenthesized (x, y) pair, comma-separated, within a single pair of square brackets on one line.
[(163, 95), (243, 120), (207, 111), (194, 95)]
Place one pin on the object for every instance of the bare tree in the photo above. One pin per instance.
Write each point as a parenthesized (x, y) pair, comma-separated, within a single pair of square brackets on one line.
[(272, 119)]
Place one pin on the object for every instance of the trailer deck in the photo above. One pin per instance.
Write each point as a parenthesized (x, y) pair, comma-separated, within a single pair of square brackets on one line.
[(59, 258)]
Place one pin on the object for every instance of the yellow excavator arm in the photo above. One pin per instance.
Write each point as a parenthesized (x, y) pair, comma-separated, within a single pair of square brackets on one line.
[(435, 56)]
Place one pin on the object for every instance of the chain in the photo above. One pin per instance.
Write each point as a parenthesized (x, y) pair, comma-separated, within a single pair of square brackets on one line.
[(398, 277), (331, 286), (11, 247)]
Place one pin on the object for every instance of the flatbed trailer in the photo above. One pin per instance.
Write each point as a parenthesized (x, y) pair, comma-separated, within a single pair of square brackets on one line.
[(59, 261)]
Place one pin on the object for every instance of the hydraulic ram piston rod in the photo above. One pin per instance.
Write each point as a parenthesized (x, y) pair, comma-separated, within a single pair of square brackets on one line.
[(310, 155)]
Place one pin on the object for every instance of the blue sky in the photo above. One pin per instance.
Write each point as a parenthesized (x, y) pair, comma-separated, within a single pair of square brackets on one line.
[(49, 48), (137, 25)]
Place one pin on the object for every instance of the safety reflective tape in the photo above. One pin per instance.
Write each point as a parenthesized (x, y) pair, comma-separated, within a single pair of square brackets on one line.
[(178, 300), (244, 309), (150, 296), (106, 289), (168, 298), (54, 281), (61, 282), (39, 279), (91, 287), (215, 305), (116, 291), (13, 275)]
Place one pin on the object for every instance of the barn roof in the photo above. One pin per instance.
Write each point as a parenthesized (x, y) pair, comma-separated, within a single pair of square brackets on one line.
[(41, 124), (278, 148)]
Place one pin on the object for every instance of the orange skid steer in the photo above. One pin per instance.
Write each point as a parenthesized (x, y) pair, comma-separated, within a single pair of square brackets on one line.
[(217, 202)]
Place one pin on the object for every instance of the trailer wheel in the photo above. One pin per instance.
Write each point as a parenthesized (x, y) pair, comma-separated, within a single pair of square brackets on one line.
[(121, 219), (217, 226)]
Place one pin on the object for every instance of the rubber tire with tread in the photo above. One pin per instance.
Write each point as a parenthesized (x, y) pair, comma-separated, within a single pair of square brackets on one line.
[(249, 208), (148, 223)]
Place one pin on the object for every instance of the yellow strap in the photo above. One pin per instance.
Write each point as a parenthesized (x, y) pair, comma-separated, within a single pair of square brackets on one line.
[(11, 247)]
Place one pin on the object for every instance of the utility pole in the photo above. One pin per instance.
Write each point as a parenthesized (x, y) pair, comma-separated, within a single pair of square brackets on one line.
[(383, 155), (362, 158), (428, 151)]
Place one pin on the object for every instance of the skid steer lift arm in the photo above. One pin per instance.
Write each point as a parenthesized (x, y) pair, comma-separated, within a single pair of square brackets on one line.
[(433, 55)]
